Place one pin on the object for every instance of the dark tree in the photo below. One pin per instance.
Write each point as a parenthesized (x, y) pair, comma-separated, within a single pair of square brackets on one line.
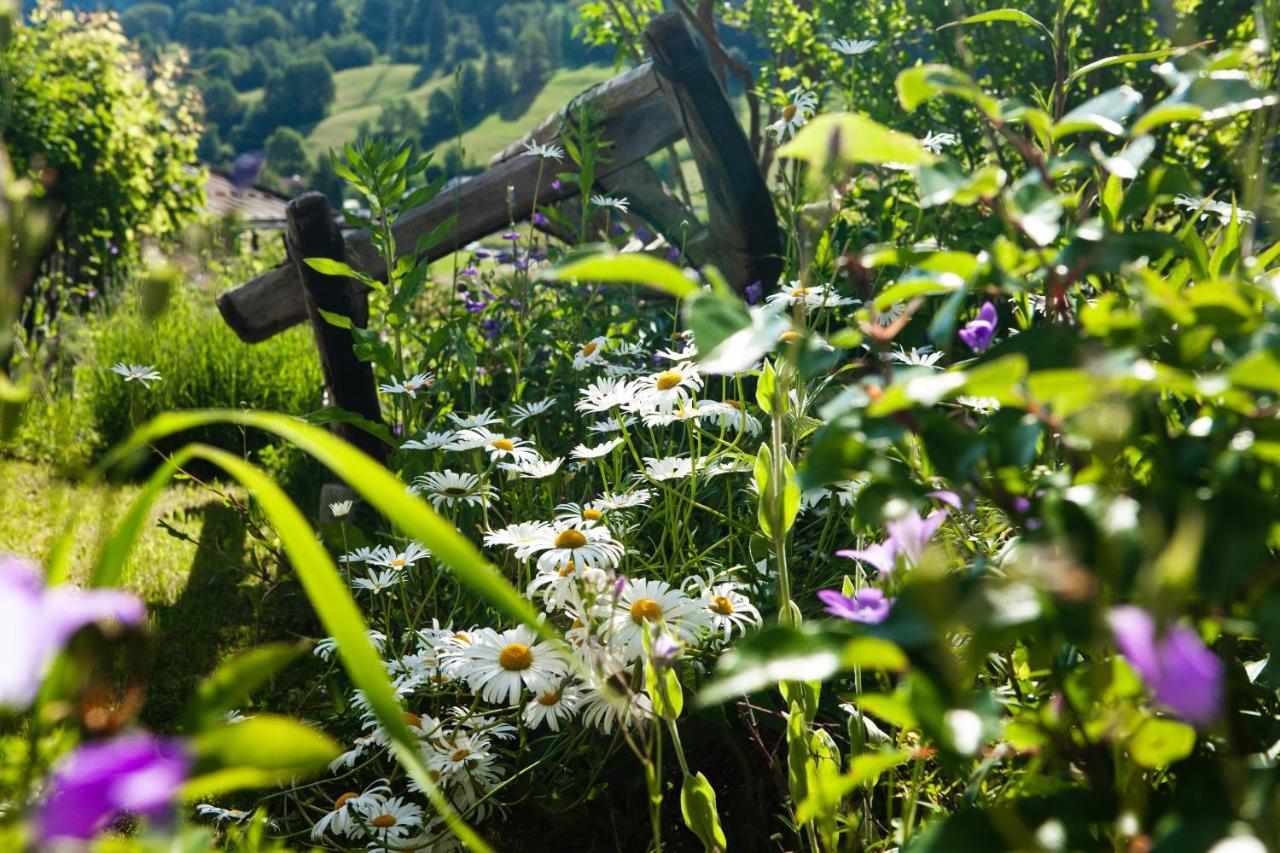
[(496, 83), (301, 92), (222, 106), (151, 19), (286, 153)]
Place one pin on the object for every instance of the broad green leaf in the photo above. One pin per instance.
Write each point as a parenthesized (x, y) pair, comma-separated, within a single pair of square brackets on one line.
[(1258, 371), (624, 268), (837, 138), (947, 182), (907, 290), (925, 82), (1203, 96), (863, 770), (328, 266), (775, 654), (1107, 113), (234, 681), (1128, 58), (874, 653), (790, 496), (1011, 16), (698, 808), (766, 388), (342, 321), (1160, 742), (263, 750), (893, 708), (334, 415)]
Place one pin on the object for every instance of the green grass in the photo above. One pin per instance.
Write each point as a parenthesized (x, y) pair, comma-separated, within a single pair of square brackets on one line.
[(359, 97)]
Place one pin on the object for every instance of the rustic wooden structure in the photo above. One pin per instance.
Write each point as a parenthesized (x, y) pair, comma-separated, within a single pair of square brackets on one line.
[(673, 95)]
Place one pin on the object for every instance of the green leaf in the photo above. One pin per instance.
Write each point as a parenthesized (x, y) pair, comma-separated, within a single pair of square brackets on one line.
[(763, 468), (234, 681), (1160, 742), (1010, 16), (840, 138), (1107, 113), (766, 387), (335, 415), (698, 808), (333, 318), (714, 318), (624, 268), (863, 770), (662, 684), (1203, 96), (925, 82), (775, 654), (263, 750), (1128, 58), (947, 182), (328, 266)]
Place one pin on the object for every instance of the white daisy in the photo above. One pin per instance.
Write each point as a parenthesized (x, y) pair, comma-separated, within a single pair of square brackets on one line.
[(600, 450), (410, 386), (605, 394), (533, 469), (813, 297), (580, 514), (341, 509), (619, 204), (667, 468), (653, 604), (449, 488), (686, 353), (796, 114), (624, 500), (729, 608), (523, 538), (220, 815), (349, 758), (459, 753), (916, 357), (610, 700), (671, 389), (492, 727), (477, 420), (531, 410), (1220, 209), (143, 373), (592, 352), (359, 555), (729, 415), (389, 558), (497, 667), (612, 425), (379, 582), (498, 446), (342, 819), (935, 142), (583, 544), (853, 47), (429, 441), (390, 818), (552, 707), (325, 648), (545, 150)]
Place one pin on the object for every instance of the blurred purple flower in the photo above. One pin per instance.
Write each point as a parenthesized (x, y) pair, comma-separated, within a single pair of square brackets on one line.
[(868, 606), (619, 584), (754, 291), (538, 256), (475, 306), (948, 497), (557, 185), (483, 254), (91, 294), (36, 621), (137, 774), (908, 538), (522, 264), (673, 254), (491, 328), (540, 219), (643, 236), (619, 230), (664, 650), (512, 236), (505, 257), (881, 555), (247, 168), (977, 334), (1180, 671), (470, 271)]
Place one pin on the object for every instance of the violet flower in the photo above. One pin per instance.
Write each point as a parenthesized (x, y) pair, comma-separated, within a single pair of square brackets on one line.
[(1180, 671), (491, 328), (754, 291), (868, 606), (664, 650), (977, 334), (909, 537), (36, 621), (512, 236), (540, 219), (673, 254), (557, 185), (137, 774)]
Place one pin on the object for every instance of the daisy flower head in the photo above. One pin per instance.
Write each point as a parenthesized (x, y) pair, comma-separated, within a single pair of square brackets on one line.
[(429, 441), (917, 357), (498, 446), (341, 509), (592, 352), (362, 554), (667, 468), (221, 815), (582, 544), (389, 558), (652, 605), (524, 538), (729, 415), (379, 582), (730, 610), (624, 500), (348, 808), (449, 488), (143, 373), (480, 419), (671, 389), (812, 297), (686, 353), (390, 818), (325, 648), (935, 142), (499, 666), (410, 386), (531, 410), (597, 452), (544, 150), (581, 515), (460, 753), (605, 394), (621, 205), (853, 47), (533, 469), (796, 114), (552, 707), (609, 700)]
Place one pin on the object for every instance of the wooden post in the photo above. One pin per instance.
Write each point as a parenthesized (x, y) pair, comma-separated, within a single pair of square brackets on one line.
[(743, 240), (312, 233)]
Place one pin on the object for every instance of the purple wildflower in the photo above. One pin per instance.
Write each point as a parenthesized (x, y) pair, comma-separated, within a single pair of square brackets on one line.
[(977, 334), (474, 306), (643, 236), (512, 236), (754, 291), (673, 254), (540, 219), (1181, 673), (619, 230), (134, 774), (470, 271), (36, 621), (491, 328), (557, 185), (908, 538), (483, 254), (948, 497), (664, 650), (868, 606)]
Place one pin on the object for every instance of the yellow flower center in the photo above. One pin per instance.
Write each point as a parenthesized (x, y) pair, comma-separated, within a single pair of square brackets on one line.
[(721, 605), (591, 514), (462, 638), (570, 538), (342, 801), (800, 291), (412, 719), (668, 379), (397, 563), (383, 821), (789, 337), (789, 112), (549, 699), (645, 608), (503, 444), (590, 349), (515, 657), (567, 569), (733, 404), (460, 754)]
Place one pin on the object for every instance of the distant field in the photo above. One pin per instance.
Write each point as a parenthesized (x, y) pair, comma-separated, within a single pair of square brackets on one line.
[(359, 96)]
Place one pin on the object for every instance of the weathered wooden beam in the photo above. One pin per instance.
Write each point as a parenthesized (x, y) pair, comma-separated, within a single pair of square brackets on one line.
[(655, 204), (312, 233), (743, 240), (271, 302)]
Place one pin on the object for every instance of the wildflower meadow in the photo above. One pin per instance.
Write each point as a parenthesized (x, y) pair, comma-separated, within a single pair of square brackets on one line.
[(927, 499)]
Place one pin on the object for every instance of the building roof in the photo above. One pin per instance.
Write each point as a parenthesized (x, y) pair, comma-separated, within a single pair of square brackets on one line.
[(255, 205)]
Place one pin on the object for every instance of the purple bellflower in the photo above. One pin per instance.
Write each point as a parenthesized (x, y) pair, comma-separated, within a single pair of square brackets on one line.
[(908, 538), (868, 606), (978, 334), (1181, 673)]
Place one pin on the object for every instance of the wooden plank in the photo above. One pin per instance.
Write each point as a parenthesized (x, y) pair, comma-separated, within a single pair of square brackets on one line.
[(271, 302), (743, 239), (312, 233), (652, 202)]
